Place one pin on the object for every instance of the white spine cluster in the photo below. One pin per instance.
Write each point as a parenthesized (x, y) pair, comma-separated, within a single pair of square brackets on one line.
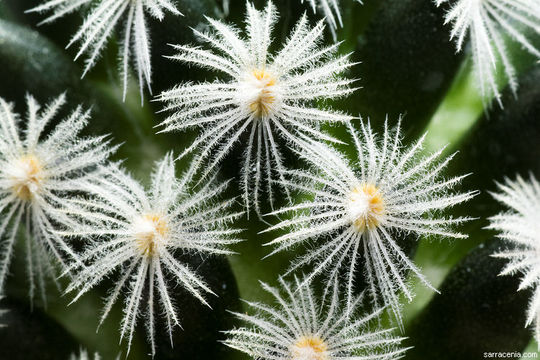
[(520, 229), (266, 98), (488, 23), (302, 328), (37, 174), (103, 17), (364, 209), (138, 234)]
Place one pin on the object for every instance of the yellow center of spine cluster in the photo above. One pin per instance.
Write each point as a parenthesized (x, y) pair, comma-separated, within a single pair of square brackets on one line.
[(262, 105), (28, 178), (309, 348), (368, 202), (152, 228)]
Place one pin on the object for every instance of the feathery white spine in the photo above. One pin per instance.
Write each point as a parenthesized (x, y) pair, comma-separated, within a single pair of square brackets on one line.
[(137, 233), (301, 328), (99, 25), (83, 355), (331, 11), (519, 227), (268, 97), (364, 209), (38, 174), (488, 23)]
